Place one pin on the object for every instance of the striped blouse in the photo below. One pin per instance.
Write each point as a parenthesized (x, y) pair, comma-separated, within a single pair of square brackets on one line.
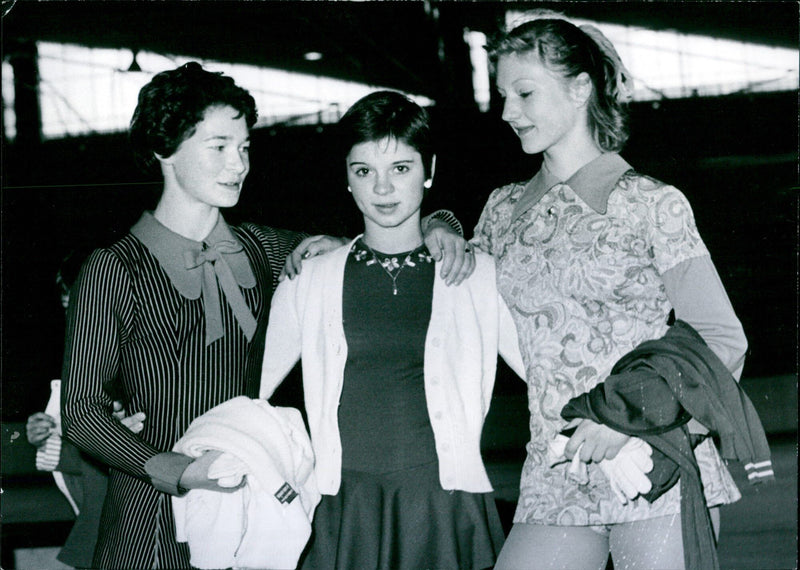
[(127, 320)]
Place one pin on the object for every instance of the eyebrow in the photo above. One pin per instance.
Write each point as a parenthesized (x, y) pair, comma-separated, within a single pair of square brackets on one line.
[(401, 161), (223, 138)]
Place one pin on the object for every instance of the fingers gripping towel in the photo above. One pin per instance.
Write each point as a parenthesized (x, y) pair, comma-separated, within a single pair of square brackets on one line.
[(626, 472), (267, 521)]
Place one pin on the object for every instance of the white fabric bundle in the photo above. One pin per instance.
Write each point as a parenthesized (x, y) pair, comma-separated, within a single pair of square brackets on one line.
[(260, 525)]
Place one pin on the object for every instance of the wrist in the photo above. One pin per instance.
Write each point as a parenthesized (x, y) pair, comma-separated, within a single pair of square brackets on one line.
[(443, 218), (166, 470)]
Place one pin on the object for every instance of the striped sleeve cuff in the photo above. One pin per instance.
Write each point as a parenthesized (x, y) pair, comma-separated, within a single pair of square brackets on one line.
[(759, 472), (47, 455), (445, 216)]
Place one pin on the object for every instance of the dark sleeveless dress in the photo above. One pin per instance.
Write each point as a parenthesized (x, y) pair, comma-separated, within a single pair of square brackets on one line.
[(391, 511)]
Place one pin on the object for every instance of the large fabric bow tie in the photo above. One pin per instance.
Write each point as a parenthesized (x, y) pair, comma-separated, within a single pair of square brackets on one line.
[(211, 261)]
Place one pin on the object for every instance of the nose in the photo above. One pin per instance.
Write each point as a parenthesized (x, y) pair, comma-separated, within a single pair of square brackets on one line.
[(510, 110), (238, 162), (383, 185)]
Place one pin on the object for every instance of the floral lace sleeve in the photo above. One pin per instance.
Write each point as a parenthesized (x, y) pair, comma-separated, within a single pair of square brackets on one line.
[(672, 233), (495, 216)]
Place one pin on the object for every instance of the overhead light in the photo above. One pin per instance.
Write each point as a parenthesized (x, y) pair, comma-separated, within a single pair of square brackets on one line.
[(312, 56)]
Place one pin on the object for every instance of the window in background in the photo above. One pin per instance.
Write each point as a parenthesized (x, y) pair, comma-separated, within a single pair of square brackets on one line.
[(83, 90), (668, 64), (9, 118), (90, 90), (481, 83)]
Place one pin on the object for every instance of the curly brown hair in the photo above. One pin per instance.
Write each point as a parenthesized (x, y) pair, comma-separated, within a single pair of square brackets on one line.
[(174, 101)]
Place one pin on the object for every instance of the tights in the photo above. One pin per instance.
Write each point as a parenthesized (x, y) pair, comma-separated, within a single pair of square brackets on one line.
[(652, 544)]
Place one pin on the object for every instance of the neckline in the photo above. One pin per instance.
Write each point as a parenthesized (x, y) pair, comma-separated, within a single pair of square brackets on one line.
[(362, 244)]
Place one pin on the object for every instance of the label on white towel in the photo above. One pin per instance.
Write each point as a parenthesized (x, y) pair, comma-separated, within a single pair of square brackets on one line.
[(286, 494)]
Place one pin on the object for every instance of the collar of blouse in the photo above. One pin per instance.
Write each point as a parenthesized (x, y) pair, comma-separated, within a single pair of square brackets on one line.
[(201, 268), (593, 183)]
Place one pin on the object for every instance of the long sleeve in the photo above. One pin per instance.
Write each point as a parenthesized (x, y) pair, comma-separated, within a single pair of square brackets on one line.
[(101, 305), (283, 342), (696, 292), (278, 244), (691, 282)]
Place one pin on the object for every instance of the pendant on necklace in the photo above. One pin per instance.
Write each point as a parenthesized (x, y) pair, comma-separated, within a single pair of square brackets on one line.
[(383, 265)]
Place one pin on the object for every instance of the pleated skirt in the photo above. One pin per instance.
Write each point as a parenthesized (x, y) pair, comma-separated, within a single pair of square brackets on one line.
[(403, 521)]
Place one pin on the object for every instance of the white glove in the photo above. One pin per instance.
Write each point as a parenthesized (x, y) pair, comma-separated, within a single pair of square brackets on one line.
[(627, 471)]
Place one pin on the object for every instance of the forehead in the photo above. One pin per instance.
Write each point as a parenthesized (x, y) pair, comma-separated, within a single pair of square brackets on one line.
[(222, 121), (386, 149), (514, 67)]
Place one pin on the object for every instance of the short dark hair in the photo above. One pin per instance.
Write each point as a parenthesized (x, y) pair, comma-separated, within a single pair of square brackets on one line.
[(388, 114), (174, 101)]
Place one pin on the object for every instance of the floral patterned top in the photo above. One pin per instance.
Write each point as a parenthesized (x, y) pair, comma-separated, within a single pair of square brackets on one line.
[(581, 274)]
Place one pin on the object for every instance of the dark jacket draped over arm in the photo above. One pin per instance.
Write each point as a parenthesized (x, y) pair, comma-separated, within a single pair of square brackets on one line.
[(652, 393)]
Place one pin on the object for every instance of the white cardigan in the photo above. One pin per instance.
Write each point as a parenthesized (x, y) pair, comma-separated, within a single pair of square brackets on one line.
[(469, 324)]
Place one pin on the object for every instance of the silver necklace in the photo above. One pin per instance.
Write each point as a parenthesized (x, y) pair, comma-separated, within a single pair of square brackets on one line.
[(385, 263)]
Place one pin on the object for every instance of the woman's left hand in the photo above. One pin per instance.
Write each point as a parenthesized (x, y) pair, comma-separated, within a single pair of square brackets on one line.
[(596, 442), (455, 253), (39, 427)]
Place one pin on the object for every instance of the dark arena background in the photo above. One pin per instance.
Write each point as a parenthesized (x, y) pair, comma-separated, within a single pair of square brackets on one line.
[(733, 152)]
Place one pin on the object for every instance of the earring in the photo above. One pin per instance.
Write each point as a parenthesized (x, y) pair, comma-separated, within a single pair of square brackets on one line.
[(428, 183), (349, 189)]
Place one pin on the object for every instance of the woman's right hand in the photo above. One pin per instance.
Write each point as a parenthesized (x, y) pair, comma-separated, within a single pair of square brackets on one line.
[(196, 474), (309, 247), (39, 428), (594, 442)]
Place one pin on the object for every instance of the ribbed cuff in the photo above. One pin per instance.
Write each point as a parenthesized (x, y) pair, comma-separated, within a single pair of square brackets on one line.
[(165, 471), (445, 216)]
